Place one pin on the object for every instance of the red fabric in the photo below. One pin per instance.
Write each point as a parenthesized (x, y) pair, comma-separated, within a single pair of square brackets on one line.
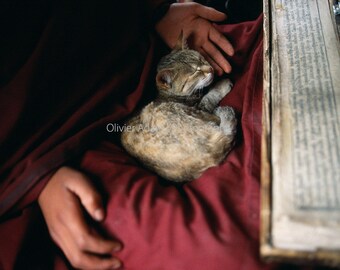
[(67, 77), (211, 223)]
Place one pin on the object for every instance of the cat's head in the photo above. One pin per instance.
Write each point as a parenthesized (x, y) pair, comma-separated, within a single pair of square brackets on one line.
[(183, 71)]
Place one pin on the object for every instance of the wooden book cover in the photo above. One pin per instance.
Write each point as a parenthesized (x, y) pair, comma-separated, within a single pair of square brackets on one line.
[(300, 207)]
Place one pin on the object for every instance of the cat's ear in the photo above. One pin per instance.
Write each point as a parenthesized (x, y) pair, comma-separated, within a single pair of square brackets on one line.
[(181, 42), (164, 80)]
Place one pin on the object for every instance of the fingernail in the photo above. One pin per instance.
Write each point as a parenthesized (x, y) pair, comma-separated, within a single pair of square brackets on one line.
[(117, 247), (116, 264), (99, 214)]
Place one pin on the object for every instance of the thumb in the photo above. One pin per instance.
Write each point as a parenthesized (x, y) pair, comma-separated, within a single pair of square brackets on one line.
[(88, 195), (209, 13)]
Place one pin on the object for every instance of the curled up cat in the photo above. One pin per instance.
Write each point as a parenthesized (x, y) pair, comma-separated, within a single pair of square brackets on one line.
[(182, 133)]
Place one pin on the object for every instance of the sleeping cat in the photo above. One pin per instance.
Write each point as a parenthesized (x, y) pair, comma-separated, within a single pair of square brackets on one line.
[(181, 134)]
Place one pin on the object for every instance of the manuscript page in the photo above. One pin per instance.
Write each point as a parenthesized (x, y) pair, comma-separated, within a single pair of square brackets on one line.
[(305, 138)]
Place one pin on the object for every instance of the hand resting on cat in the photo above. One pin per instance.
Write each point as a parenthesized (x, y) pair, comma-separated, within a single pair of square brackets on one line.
[(195, 21), (181, 134)]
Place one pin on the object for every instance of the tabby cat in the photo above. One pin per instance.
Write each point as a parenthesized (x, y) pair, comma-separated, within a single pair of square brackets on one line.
[(182, 133)]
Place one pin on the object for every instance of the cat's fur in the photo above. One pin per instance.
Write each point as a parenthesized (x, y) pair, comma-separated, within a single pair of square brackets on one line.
[(181, 134)]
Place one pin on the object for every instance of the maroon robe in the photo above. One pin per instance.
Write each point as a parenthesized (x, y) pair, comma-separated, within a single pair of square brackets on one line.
[(81, 65), (71, 67)]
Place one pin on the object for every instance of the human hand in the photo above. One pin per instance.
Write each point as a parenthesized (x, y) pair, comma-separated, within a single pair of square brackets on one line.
[(62, 201), (195, 22)]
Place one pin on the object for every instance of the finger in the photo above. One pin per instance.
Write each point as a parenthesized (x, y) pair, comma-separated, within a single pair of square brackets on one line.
[(220, 40), (82, 260), (97, 263), (82, 235), (216, 67), (209, 13), (95, 243), (216, 55), (88, 196)]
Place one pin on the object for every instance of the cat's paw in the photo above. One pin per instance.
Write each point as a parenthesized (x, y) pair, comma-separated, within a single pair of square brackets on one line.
[(226, 113), (223, 87), (216, 93), (228, 120)]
